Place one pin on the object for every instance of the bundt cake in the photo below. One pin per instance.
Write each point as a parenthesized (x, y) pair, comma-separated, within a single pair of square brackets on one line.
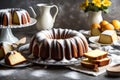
[(14, 16), (58, 45)]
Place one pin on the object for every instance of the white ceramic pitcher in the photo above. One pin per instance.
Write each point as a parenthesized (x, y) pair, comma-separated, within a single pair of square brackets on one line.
[(45, 20)]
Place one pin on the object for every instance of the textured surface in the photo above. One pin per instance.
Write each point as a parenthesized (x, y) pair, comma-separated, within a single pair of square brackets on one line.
[(49, 73)]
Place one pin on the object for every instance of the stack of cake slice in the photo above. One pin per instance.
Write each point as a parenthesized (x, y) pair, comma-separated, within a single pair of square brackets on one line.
[(95, 59)]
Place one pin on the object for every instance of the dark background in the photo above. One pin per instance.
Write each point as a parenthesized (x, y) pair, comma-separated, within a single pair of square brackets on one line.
[(69, 16)]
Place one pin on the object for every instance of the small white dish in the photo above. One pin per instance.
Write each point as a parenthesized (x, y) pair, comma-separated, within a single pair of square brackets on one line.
[(114, 70), (95, 39)]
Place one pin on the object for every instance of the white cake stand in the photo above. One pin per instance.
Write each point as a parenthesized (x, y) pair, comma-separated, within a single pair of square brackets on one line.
[(7, 35)]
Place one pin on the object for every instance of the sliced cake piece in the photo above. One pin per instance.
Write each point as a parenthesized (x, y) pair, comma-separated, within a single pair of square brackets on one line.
[(89, 65), (13, 58), (95, 29), (96, 54), (108, 37), (102, 62), (4, 49)]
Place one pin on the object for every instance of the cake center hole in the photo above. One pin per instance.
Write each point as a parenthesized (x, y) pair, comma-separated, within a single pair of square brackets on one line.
[(63, 36)]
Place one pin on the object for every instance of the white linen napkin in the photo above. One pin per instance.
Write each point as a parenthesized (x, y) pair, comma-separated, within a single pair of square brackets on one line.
[(114, 60)]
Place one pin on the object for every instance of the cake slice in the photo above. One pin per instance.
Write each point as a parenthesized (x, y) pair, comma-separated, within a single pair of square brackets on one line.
[(108, 37), (102, 62), (4, 49), (96, 54), (13, 58), (89, 65), (95, 29)]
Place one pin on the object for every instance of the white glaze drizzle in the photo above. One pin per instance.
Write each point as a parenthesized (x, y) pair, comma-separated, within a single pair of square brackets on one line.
[(24, 12), (60, 41), (8, 16)]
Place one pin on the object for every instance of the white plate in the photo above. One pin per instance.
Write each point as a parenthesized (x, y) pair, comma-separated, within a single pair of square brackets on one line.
[(114, 71), (53, 62), (25, 49), (32, 22), (95, 39), (24, 64)]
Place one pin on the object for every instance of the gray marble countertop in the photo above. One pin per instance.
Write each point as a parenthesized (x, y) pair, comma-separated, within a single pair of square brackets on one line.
[(38, 72)]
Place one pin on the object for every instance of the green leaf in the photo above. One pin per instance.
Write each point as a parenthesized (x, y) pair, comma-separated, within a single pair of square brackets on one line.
[(106, 10)]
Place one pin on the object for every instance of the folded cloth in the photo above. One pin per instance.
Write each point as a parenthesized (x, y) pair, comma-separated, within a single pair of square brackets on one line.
[(102, 69), (79, 68), (112, 49)]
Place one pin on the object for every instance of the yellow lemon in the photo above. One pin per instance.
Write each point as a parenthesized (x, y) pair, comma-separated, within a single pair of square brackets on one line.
[(95, 25), (104, 22), (107, 27), (116, 24)]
